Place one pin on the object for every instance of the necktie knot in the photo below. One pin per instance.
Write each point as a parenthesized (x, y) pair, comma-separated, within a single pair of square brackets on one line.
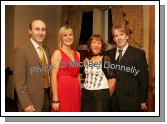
[(120, 51), (40, 48)]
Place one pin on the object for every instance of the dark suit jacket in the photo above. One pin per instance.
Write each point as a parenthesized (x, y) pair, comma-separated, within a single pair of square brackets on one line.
[(29, 84), (130, 90)]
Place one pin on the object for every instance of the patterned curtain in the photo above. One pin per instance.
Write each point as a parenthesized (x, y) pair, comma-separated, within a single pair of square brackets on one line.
[(132, 16), (72, 16)]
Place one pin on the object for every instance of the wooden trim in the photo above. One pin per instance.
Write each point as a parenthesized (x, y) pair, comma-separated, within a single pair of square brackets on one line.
[(151, 95)]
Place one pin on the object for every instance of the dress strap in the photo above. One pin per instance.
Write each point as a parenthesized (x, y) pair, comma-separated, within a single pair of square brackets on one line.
[(76, 55), (68, 56), (61, 51)]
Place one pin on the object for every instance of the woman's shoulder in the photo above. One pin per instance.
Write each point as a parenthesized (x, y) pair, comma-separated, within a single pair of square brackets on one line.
[(106, 58), (56, 54)]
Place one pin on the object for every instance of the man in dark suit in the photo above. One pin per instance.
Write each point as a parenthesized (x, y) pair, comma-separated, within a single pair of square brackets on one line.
[(131, 73), (31, 73)]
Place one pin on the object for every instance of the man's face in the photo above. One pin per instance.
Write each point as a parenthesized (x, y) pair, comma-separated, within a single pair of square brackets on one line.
[(38, 31), (120, 38)]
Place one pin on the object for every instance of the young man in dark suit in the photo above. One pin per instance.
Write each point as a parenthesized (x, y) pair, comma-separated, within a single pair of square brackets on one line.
[(131, 73)]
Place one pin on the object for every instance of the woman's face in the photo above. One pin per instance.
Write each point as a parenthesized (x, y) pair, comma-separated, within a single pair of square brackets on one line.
[(67, 38), (96, 46)]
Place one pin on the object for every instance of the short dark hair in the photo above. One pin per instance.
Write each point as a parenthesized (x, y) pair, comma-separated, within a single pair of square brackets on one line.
[(30, 24), (98, 37)]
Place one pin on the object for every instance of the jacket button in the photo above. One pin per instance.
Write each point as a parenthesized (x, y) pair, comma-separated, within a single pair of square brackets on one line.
[(43, 76)]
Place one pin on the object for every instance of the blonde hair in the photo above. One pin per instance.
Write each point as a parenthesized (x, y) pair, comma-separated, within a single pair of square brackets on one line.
[(122, 28), (61, 32)]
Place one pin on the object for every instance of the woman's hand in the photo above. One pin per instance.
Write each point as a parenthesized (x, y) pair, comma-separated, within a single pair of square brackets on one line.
[(55, 107)]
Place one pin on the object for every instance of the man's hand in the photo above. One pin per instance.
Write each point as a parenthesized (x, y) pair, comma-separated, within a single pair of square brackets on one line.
[(30, 109), (144, 106)]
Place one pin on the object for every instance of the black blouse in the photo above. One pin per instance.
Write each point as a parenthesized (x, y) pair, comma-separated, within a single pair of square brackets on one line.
[(106, 67)]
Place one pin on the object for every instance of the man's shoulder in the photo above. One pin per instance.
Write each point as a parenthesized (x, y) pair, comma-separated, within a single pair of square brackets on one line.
[(136, 50), (22, 47), (110, 52)]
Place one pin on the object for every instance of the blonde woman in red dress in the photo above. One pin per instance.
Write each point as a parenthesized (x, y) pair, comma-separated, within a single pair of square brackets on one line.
[(65, 79)]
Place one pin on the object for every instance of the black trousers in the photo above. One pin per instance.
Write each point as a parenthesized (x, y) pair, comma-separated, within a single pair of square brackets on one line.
[(95, 100), (115, 104), (47, 101)]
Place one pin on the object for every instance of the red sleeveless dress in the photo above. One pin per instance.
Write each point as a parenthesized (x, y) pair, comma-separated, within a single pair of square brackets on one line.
[(68, 84)]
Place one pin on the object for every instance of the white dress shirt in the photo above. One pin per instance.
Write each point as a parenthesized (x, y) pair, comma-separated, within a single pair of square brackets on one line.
[(36, 46), (123, 51)]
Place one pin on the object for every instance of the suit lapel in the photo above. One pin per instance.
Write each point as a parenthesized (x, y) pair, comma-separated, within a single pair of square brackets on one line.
[(34, 53), (47, 54), (126, 54)]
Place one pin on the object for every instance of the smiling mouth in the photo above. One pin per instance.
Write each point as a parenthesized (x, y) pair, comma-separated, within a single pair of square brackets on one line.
[(39, 36), (96, 49), (68, 41), (119, 41)]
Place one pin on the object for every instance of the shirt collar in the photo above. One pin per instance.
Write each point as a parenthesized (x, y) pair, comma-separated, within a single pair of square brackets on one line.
[(35, 44), (124, 48)]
